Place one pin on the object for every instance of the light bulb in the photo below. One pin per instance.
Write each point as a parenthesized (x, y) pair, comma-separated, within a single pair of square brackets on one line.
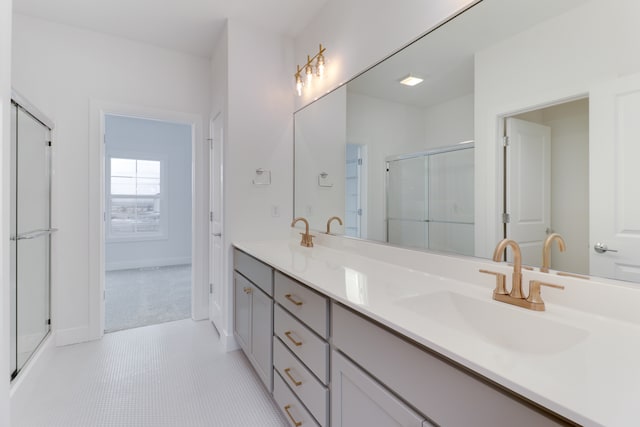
[(320, 66), (309, 72), (298, 82)]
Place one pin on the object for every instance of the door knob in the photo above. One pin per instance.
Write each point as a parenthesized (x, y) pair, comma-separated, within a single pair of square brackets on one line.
[(602, 248), (217, 234)]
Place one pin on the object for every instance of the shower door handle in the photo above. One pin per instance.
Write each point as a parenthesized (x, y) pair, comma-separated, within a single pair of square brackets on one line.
[(34, 234)]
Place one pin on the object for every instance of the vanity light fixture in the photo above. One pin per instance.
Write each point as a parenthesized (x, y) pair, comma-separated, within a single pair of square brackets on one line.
[(411, 80), (310, 69)]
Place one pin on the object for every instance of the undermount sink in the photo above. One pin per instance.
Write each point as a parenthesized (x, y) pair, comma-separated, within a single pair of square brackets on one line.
[(512, 329)]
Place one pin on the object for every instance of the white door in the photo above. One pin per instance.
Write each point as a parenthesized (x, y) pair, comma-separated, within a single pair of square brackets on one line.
[(528, 187), (614, 199), (216, 288)]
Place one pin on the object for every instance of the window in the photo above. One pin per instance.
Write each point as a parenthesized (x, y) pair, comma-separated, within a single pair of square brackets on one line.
[(135, 202)]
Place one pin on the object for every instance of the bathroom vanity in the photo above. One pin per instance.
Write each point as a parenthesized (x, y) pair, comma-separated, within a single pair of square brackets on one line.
[(366, 334), (508, 137)]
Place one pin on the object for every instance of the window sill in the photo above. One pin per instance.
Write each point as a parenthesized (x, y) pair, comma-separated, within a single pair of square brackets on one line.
[(134, 238)]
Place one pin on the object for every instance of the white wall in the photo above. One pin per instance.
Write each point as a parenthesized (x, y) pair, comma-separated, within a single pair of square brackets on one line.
[(386, 129), (449, 123), (555, 60), (170, 143), (321, 148), (259, 134), (219, 75), (359, 33), (5, 103), (62, 70)]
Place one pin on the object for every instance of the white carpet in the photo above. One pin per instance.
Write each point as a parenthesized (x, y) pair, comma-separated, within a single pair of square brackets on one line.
[(147, 296)]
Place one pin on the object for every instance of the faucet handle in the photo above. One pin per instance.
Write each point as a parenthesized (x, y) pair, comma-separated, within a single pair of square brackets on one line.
[(501, 288), (534, 292)]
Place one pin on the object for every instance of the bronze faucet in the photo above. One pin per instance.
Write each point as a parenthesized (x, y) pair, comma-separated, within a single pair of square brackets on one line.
[(307, 239), (516, 280), (546, 250), (337, 218), (515, 297)]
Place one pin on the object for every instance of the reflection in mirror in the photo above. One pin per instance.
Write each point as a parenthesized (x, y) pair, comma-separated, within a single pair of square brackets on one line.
[(430, 200), (320, 133), (549, 93), (545, 143)]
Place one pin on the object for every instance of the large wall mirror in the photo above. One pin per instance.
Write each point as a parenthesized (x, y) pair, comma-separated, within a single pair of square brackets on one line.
[(526, 122)]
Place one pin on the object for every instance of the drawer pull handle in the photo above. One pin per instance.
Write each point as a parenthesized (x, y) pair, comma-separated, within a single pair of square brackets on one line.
[(290, 298), (293, 380), (288, 335), (293, 420), (247, 290)]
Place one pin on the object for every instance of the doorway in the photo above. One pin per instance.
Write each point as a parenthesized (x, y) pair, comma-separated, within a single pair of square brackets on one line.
[(546, 186), (148, 215), (355, 200)]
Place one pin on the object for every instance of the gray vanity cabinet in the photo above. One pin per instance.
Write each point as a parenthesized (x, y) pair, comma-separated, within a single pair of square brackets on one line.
[(434, 387), (328, 365), (358, 400), (301, 352), (242, 290), (253, 313)]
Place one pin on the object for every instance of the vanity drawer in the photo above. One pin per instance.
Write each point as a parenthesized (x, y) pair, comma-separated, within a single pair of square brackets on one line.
[(259, 273), (304, 303), (307, 387), (303, 342), (295, 413)]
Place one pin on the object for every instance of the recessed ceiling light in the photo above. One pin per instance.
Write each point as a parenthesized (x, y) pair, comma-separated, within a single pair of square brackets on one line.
[(411, 80)]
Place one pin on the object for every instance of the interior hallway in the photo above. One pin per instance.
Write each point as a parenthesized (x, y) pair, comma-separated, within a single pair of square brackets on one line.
[(167, 375)]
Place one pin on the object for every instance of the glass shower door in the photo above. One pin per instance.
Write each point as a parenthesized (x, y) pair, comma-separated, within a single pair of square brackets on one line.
[(408, 202), (451, 201), (30, 237)]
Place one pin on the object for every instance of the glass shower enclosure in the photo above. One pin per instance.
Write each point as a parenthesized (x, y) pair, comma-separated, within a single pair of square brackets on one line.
[(430, 199), (30, 245)]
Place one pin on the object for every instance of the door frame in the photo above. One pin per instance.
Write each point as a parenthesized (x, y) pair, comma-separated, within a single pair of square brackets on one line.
[(490, 203), (217, 321), (199, 288)]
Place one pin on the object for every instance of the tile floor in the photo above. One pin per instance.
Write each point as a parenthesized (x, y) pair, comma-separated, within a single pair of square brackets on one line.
[(147, 296), (168, 375)]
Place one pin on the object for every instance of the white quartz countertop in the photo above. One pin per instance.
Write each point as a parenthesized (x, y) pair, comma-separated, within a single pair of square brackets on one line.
[(583, 366)]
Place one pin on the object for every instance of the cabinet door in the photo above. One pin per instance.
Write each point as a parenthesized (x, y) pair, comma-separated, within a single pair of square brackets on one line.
[(242, 290), (262, 335), (358, 400)]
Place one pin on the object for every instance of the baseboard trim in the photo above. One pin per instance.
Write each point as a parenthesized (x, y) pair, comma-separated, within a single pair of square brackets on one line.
[(72, 336), (29, 375), (229, 342)]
